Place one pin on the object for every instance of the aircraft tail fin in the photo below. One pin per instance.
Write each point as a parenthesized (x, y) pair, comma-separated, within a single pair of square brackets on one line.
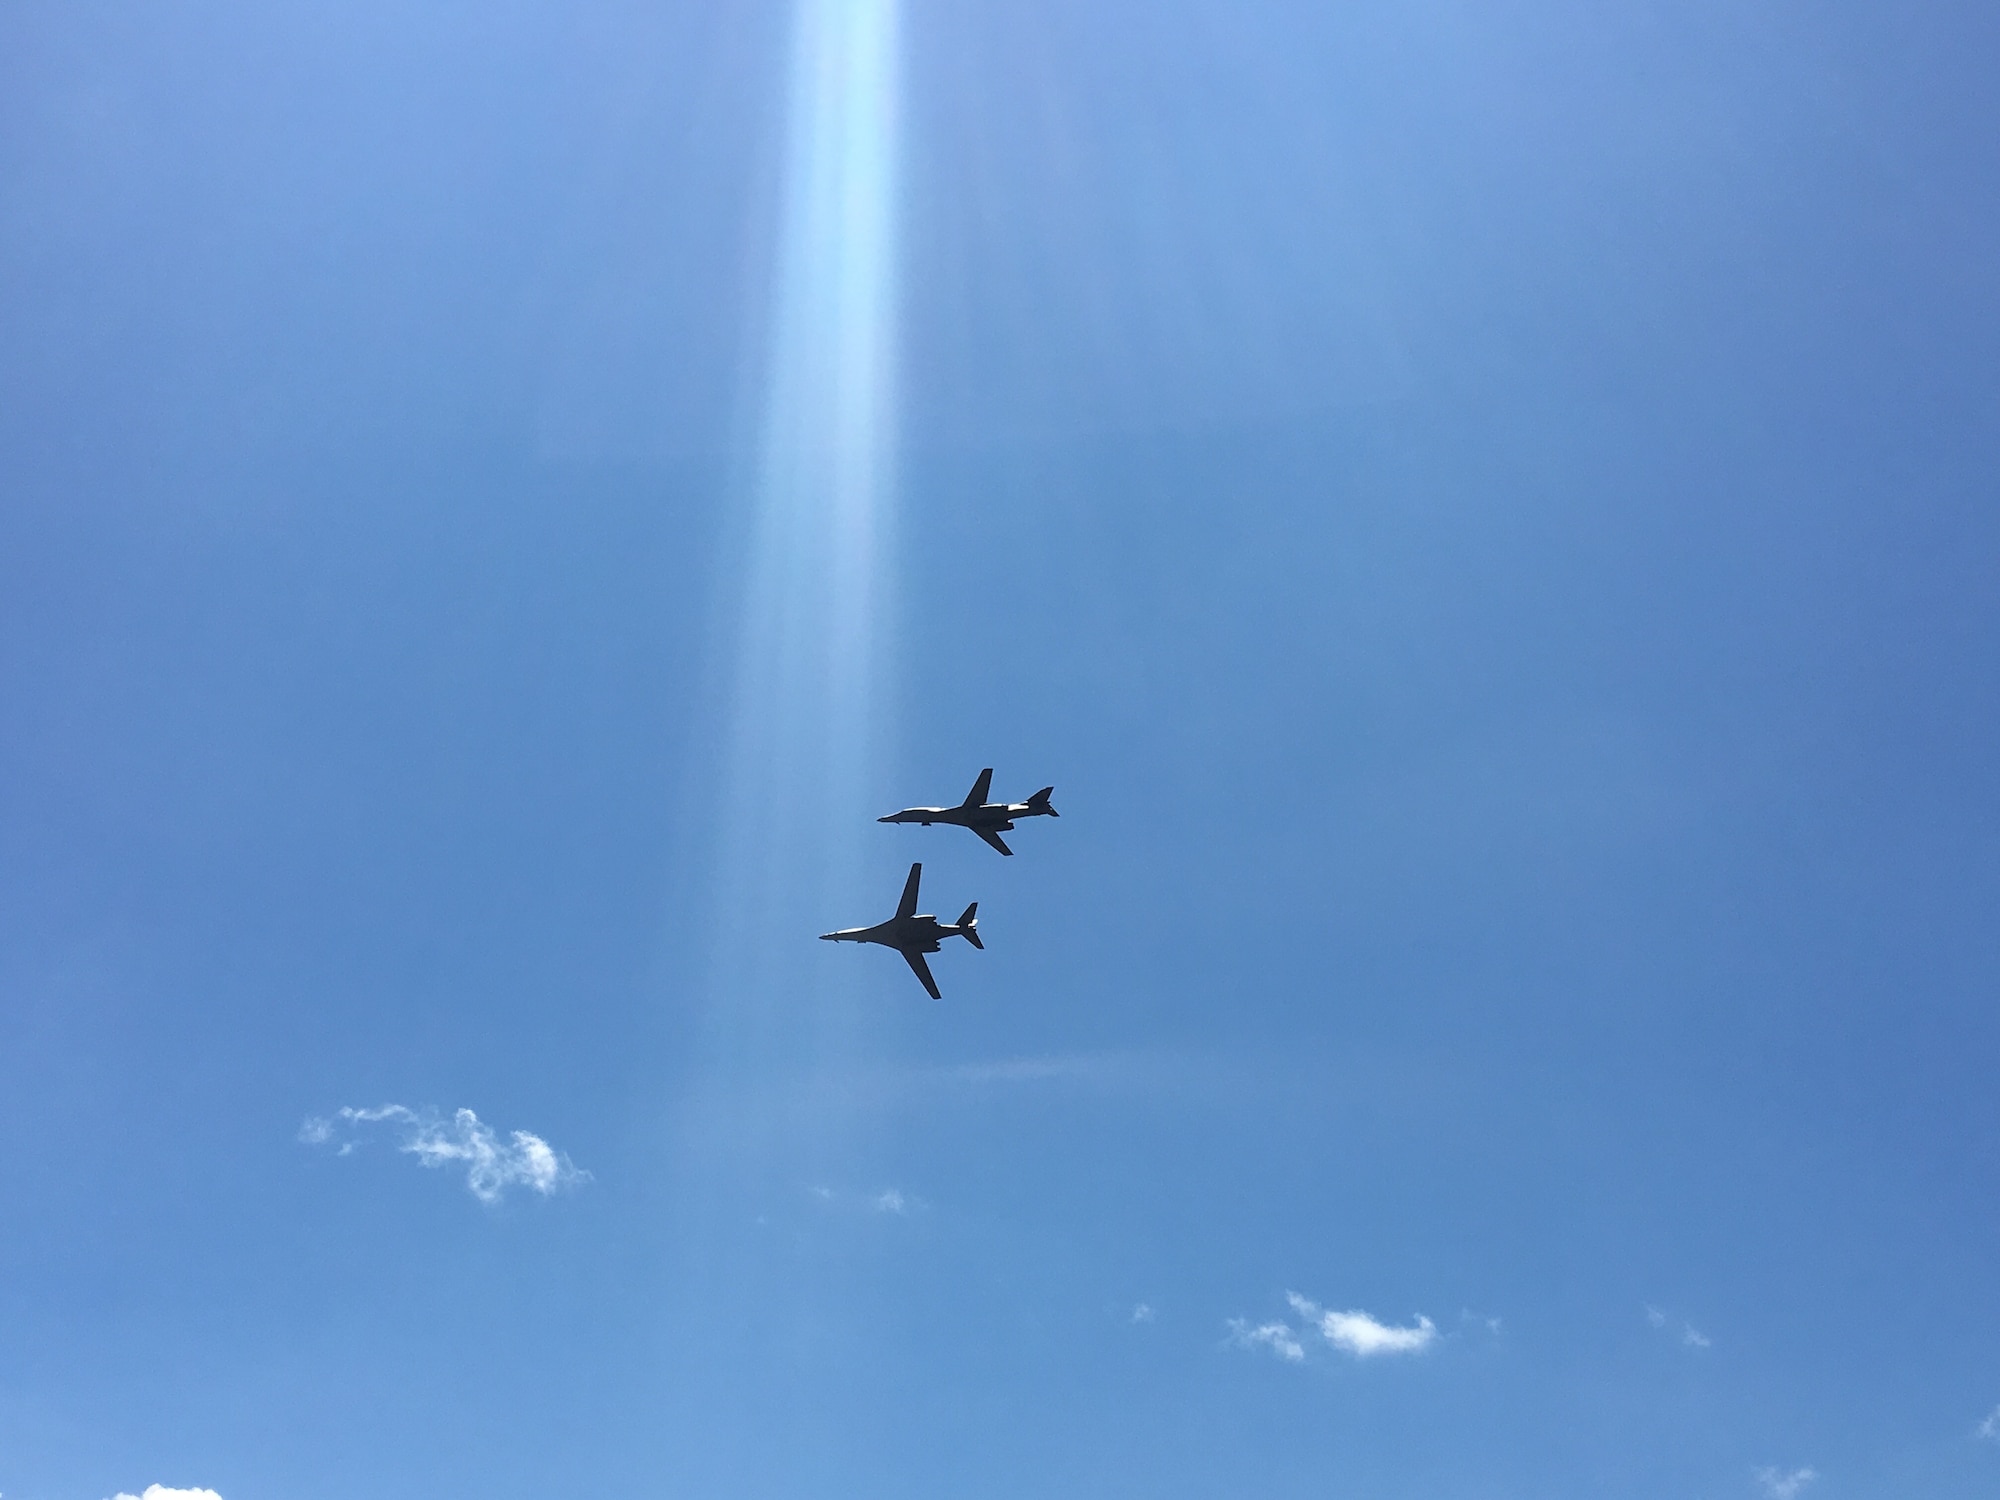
[(1040, 802), (968, 925)]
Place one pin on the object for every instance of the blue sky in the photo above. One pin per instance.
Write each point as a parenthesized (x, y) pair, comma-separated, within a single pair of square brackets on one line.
[(1484, 514)]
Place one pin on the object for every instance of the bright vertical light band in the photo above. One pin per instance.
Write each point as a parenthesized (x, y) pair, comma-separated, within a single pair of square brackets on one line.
[(805, 720)]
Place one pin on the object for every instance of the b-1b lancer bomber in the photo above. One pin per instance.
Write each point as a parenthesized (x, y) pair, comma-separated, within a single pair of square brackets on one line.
[(912, 935), (987, 819)]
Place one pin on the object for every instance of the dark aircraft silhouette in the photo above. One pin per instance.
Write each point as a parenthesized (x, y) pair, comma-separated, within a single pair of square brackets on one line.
[(987, 819), (911, 935)]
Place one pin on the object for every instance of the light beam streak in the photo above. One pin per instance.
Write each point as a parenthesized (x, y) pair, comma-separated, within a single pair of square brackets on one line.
[(805, 724)]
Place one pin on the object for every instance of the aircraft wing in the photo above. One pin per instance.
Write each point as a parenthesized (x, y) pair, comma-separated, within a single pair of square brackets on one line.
[(907, 907), (993, 838), (921, 969), (977, 796)]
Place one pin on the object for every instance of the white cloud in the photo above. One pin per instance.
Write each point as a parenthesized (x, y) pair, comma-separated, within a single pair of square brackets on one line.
[(161, 1492), (889, 1201), (491, 1165), (1691, 1337), (1990, 1428), (1277, 1337), (1361, 1334), (1780, 1485), (1358, 1333), (1142, 1312)]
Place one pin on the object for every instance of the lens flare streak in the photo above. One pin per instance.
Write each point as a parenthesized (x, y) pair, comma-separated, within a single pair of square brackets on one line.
[(805, 720)]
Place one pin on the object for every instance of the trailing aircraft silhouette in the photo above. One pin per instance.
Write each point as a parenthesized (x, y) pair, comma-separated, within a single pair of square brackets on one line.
[(912, 935)]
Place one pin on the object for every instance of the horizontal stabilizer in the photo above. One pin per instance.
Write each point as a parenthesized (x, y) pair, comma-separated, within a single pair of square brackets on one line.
[(968, 925), (1040, 802)]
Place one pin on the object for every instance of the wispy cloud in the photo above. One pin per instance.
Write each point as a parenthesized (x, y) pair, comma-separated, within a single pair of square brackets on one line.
[(1361, 1334), (1142, 1312), (1782, 1485), (1690, 1337), (492, 1166), (888, 1200), (161, 1492), (1277, 1337), (1990, 1428)]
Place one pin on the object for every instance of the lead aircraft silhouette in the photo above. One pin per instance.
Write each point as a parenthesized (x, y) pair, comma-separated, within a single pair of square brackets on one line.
[(912, 935), (987, 819)]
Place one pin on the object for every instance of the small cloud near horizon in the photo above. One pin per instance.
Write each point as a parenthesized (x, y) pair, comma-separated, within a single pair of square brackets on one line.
[(1780, 1485), (491, 1165), (1353, 1331), (1361, 1334), (1277, 1337), (161, 1492), (1691, 1337)]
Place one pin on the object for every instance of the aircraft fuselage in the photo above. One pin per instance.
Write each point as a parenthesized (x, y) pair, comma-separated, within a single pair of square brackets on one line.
[(921, 933), (997, 816)]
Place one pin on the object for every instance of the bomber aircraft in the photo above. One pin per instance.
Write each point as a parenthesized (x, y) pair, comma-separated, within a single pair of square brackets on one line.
[(987, 819), (912, 935)]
